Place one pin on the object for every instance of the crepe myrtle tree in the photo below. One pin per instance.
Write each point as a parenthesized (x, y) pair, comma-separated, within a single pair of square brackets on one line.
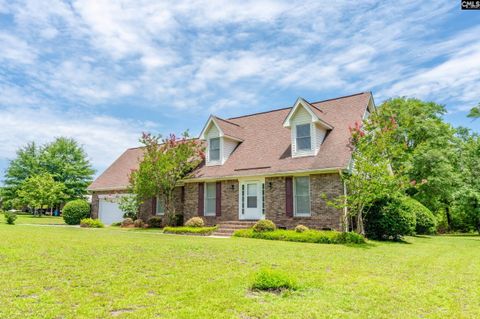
[(165, 163)]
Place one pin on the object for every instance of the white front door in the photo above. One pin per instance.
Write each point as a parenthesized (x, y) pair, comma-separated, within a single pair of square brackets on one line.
[(251, 204)]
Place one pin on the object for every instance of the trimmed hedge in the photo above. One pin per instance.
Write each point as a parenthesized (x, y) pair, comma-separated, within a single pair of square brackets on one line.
[(190, 230), (91, 223), (308, 236), (155, 222), (76, 210), (390, 219), (426, 221)]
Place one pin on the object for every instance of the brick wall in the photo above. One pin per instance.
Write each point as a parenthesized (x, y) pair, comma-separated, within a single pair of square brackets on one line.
[(147, 209), (322, 216)]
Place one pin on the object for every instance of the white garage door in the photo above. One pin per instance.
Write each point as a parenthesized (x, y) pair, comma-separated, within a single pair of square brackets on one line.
[(109, 212)]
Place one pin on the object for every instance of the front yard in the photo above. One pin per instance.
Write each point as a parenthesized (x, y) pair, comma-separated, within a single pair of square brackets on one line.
[(60, 272)]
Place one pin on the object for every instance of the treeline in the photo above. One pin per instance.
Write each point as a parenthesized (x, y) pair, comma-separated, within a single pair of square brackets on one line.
[(46, 175), (406, 151)]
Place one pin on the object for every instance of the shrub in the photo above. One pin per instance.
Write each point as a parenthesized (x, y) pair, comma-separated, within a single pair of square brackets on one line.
[(273, 280), (155, 222), (390, 219), (301, 228), (426, 221), (264, 225), (91, 223), (190, 230), (195, 222), (139, 223), (75, 211), (10, 218), (116, 224), (127, 222), (308, 236)]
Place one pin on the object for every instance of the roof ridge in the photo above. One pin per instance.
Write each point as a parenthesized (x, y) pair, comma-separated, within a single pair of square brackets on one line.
[(338, 98), (257, 113), (227, 121)]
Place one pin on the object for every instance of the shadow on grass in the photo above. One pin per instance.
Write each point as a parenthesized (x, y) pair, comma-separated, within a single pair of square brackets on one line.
[(367, 245), (460, 235)]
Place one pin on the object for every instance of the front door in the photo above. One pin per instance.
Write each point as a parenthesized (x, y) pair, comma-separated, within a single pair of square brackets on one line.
[(251, 200)]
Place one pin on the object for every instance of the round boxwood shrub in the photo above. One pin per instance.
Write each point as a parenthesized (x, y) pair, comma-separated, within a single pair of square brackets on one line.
[(138, 223), (76, 210), (301, 228), (426, 221), (127, 222), (195, 222), (155, 222), (390, 219), (264, 225), (10, 218)]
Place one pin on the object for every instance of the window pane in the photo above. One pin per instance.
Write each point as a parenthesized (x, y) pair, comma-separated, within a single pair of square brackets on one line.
[(303, 130), (160, 208), (302, 195), (302, 205), (210, 198), (214, 149), (251, 189), (303, 143)]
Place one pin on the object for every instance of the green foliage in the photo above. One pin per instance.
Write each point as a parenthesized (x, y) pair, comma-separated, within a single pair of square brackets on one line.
[(10, 218), (390, 218), (475, 112), (425, 220), (139, 223), (264, 225), (127, 222), (40, 190), (165, 162), (273, 281), (130, 205), (309, 236), (195, 222), (155, 222), (76, 210), (189, 230), (91, 223), (116, 224), (301, 228), (63, 159)]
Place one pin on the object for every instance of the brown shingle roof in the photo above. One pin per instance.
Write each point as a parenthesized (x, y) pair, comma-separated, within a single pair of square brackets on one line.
[(265, 146), (116, 176)]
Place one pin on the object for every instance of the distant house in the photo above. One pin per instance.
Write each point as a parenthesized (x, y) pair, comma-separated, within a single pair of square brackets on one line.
[(275, 165)]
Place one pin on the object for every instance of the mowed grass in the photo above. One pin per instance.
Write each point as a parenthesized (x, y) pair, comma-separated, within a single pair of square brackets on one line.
[(60, 272), (30, 219)]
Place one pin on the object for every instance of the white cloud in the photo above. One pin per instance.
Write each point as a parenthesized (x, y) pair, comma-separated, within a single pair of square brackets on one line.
[(104, 138), (16, 50)]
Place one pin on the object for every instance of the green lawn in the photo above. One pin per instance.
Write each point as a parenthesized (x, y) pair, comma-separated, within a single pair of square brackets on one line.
[(30, 219), (57, 272)]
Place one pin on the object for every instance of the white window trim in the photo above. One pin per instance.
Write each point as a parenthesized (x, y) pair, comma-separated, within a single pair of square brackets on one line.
[(296, 138), (205, 213), (295, 214), (156, 207)]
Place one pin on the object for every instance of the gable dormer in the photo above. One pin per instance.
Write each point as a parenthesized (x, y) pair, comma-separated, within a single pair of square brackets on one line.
[(307, 129), (222, 137)]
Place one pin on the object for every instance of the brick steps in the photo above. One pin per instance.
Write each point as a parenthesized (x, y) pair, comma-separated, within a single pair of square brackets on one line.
[(229, 227)]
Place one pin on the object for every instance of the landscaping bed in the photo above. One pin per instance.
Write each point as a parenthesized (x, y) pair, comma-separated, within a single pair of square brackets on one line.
[(307, 236), (186, 230)]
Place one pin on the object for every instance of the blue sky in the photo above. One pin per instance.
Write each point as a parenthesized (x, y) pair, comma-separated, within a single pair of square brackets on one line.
[(104, 71)]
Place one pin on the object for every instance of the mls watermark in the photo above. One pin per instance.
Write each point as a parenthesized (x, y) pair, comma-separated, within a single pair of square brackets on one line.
[(470, 5)]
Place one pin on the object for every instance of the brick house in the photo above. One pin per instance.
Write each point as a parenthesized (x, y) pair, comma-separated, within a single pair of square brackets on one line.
[(274, 165)]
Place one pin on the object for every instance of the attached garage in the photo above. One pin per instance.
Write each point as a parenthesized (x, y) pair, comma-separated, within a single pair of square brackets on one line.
[(108, 210)]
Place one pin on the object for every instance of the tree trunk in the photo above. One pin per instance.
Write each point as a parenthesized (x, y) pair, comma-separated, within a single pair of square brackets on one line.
[(449, 217), (360, 228)]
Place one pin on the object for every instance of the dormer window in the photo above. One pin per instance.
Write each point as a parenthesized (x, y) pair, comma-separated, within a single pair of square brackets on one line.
[(214, 145), (304, 139)]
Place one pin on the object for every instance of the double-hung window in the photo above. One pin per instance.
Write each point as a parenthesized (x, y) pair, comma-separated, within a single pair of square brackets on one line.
[(210, 199), (214, 149), (301, 191), (160, 209), (304, 140)]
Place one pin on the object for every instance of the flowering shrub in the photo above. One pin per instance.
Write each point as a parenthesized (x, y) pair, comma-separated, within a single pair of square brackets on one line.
[(301, 228), (264, 225), (195, 222)]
